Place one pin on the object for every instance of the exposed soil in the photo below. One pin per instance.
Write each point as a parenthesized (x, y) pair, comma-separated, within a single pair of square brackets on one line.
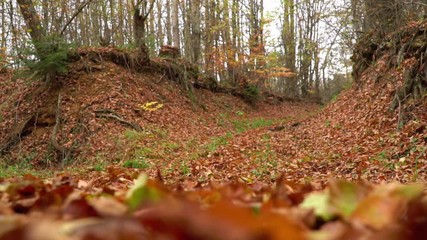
[(185, 120)]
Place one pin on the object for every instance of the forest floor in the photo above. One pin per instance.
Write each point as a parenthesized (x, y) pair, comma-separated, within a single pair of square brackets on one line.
[(217, 137), (153, 161)]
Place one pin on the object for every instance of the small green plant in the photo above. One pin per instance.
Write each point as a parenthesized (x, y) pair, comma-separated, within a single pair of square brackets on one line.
[(240, 113), (334, 156), (334, 98), (306, 159), (260, 122), (191, 143), (216, 142), (222, 120), (170, 147), (185, 169), (133, 135), (383, 158), (266, 137), (99, 167), (251, 93), (126, 47), (21, 167), (159, 132), (357, 149), (244, 125), (143, 152), (265, 160), (136, 163), (421, 154), (53, 52)]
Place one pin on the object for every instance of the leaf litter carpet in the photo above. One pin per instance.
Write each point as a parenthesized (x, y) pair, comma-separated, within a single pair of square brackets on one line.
[(226, 172)]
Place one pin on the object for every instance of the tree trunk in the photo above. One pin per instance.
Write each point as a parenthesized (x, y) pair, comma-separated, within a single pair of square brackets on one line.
[(187, 42), (34, 24), (208, 38), (3, 26), (160, 35), (175, 24), (119, 36), (289, 45), (195, 30), (356, 17), (168, 23), (141, 13)]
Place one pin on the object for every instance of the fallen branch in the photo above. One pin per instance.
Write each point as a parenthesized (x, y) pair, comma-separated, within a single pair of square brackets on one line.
[(107, 113)]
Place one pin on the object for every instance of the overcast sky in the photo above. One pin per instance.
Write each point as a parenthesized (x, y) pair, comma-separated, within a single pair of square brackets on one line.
[(271, 5), (272, 28)]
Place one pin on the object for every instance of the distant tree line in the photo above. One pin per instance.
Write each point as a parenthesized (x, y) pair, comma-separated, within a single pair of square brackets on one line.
[(229, 39)]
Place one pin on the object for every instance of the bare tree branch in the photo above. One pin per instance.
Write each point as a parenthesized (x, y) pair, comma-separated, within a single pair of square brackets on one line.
[(147, 13), (150, 9), (79, 10)]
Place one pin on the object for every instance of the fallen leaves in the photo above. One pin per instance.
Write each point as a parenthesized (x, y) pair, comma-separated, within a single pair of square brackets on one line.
[(149, 210)]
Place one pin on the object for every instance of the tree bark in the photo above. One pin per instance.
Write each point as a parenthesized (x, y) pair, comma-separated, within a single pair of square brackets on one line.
[(208, 38), (168, 23), (289, 46), (160, 34), (196, 31), (175, 24), (141, 13), (33, 22)]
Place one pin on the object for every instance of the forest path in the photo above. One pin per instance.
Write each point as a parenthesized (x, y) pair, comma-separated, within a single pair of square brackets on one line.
[(242, 145)]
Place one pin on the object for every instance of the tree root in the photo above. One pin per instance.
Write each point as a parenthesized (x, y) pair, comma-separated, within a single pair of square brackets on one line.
[(19, 130), (136, 62), (107, 113), (177, 70), (415, 86), (25, 126), (62, 152), (184, 73)]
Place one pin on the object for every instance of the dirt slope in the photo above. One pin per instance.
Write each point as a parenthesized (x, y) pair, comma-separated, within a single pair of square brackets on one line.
[(363, 135), (104, 107), (218, 137)]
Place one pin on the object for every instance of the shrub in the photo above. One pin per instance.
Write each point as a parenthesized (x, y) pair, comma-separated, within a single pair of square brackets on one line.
[(251, 93), (53, 60)]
